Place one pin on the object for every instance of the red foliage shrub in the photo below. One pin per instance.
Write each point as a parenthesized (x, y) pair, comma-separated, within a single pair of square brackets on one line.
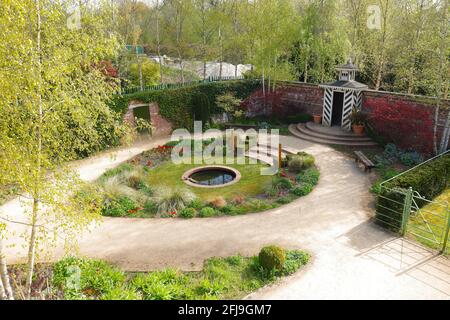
[(406, 123), (107, 69)]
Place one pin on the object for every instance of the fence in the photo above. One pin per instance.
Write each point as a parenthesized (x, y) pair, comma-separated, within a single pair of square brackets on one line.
[(406, 211), (130, 90)]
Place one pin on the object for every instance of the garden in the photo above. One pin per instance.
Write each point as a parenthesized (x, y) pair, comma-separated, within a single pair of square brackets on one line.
[(151, 185), (221, 278)]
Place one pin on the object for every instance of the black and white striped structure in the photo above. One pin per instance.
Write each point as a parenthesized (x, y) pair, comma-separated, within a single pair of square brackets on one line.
[(341, 97)]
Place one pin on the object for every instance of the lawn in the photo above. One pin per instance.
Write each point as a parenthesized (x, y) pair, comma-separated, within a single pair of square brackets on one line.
[(430, 233), (251, 184)]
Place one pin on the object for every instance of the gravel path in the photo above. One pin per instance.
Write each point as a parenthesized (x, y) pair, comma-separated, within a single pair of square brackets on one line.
[(352, 257)]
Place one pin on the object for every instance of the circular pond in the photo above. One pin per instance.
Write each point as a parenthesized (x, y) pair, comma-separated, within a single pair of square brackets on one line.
[(211, 176)]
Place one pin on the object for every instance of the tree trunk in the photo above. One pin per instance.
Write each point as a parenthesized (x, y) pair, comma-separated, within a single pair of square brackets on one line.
[(204, 70), (31, 250), (446, 135), (158, 42), (32, 242), (2, 292), (305, 71), (5, 285), (182, 70)]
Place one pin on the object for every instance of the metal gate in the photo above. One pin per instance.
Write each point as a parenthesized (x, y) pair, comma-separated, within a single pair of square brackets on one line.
[(407, 212)]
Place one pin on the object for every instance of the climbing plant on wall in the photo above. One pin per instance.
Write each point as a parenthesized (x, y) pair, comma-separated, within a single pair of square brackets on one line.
[(180, 105)]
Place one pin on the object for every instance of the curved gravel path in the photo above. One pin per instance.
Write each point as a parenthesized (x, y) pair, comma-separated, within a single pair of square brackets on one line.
[(352, 258)]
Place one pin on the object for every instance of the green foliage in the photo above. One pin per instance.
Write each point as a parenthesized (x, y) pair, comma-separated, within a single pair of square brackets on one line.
[(150, 73), (120, 207), (230, 104), (188, 213), (179, 105), (310, 176), (207, 212), (96, 278), (168, 284), (294, 260), (272, 258), (282, 184), (299, 161), (429, 180), (302, 189), (221, 278), (172, 200)]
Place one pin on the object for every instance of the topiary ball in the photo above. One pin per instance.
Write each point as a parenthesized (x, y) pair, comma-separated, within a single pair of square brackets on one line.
[(272, 258)]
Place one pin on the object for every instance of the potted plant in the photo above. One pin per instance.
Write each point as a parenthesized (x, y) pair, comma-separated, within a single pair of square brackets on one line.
[(317, 118), (358, 119)]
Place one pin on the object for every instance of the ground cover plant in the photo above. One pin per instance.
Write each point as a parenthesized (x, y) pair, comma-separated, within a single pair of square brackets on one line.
[(221, 278), (150, 185)]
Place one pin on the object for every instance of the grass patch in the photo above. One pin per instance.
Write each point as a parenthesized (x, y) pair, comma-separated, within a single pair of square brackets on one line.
[(251, 184), (431, 221), (221, 278)]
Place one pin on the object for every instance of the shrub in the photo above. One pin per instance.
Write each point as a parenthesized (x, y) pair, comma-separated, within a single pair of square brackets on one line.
[(411, 158), (429, 180), (272, 258), (196, 204), (294, 260), (96, 276), (282, 184), (295, 164), (135, 178), (207, 212), (299, 161), (310, 176), (303, 189), (119, 207), (172, 200), (188, 213), (218, 202), (237, 199)]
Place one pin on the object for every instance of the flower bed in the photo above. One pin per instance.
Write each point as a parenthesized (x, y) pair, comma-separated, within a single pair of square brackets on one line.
[(150, 185)]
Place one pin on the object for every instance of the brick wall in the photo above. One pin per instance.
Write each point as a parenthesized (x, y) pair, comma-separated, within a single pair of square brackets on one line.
[(289, 99), (406, 120)]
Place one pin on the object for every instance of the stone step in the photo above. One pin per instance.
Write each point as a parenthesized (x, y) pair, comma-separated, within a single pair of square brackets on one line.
[(330, 140), (260, 157), (268, 152), (336, 131), (345, 137), (285, 149)]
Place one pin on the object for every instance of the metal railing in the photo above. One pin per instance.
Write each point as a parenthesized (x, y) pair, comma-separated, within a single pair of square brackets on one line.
[(413, 216), (136, 89)]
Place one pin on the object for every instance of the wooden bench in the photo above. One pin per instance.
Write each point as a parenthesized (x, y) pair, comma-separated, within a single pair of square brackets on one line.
[(361, 157)]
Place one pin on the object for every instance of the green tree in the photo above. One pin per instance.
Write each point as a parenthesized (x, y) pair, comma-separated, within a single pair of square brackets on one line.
[(51, 98), (150, 73)]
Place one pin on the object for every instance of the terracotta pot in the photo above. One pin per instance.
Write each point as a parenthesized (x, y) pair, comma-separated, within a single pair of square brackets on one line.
[(358, 129), (317, 118)]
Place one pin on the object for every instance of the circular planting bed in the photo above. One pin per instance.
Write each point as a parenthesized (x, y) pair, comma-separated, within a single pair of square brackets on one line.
[(152, 186), (211, 177)]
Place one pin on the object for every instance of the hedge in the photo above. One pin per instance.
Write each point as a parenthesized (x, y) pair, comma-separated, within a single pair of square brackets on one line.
[(182, 105), (429, 180)]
